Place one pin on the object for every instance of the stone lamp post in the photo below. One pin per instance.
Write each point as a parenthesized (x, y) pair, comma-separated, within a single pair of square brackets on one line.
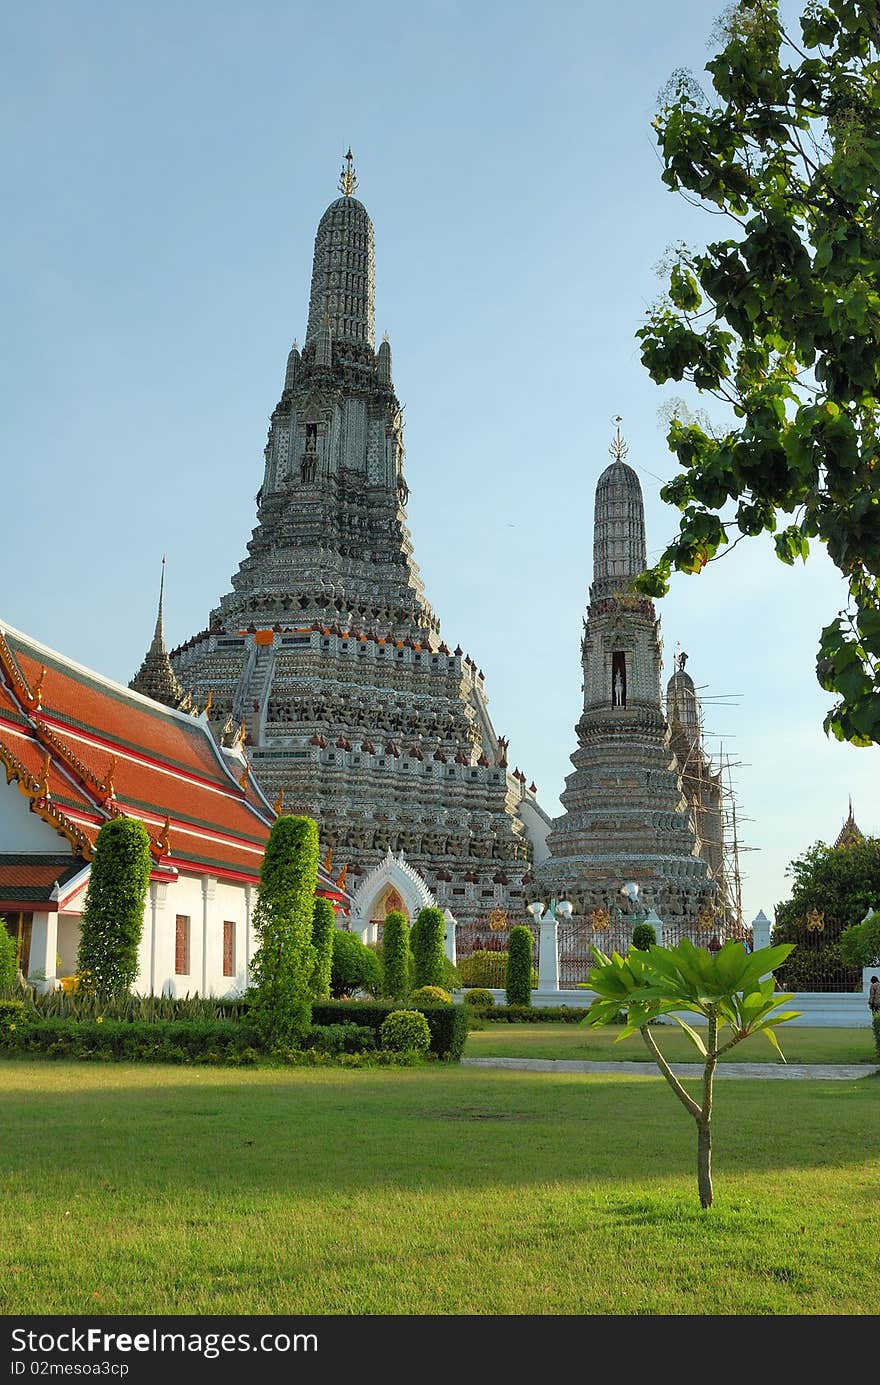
[(548, 956)]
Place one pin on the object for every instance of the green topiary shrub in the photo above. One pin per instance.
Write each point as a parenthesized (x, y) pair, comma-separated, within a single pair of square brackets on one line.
[(283, 965), (396, 955), (480, 998), (426, 943), (449, 977), (113, 913), (431, 995), (8, 961), (323, 926), (405, 1031), (644, 936), (355, 966), (518, 981)]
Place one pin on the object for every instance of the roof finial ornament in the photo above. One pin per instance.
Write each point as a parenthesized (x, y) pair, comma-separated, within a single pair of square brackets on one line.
[(618, 448), (348, 178)]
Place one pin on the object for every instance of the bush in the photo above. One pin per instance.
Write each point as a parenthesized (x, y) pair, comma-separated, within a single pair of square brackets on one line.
[(449, 977), (405, 1031), (284, 962), (323, 926), (518, 981), (340, 1038), (536, 1014), (396, 957), (448, 1023), (430, 995), (85, 1005), (426, 944), (179, 1041), (859, 944), (113, 913), (13, 1019), (355, 967), (644, 936), (479, 998), (8, 961), (485, 968)]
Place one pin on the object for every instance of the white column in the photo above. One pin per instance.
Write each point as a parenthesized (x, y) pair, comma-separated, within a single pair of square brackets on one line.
[(248, 941), (44, 949), (449, 936), (209, 890), (760, 931), (158, 890), (548, 954)]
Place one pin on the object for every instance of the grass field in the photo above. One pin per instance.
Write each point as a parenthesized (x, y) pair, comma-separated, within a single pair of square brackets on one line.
[(800, 1045), (136, 1189)]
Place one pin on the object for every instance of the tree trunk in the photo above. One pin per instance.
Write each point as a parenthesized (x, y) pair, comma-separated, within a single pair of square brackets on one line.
[(704, 1161)]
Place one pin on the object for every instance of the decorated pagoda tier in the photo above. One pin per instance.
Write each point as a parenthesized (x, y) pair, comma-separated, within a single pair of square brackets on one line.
[(626, 817), (326, 650)]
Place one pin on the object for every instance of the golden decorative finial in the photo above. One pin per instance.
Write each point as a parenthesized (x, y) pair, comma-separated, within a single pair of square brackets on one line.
[(209, 701), (108, 777), (278, 805), (162, 845), (340, 883), (348, 178), (242, 783), (38, 699), (618, 448), (328, 860)]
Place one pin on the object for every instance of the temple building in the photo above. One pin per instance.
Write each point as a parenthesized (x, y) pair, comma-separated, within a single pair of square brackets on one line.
[(626, 818), (701, 783), (850, 833), (79, 750), (326, 651)]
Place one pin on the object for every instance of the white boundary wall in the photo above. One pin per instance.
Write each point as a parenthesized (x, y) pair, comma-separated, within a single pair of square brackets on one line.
[(818, 1008)]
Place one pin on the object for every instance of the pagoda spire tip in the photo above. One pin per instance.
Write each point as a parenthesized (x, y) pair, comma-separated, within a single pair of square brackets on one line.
[(348, 178)]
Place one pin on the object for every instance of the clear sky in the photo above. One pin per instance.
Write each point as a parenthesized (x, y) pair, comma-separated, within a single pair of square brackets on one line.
[(165, 169)]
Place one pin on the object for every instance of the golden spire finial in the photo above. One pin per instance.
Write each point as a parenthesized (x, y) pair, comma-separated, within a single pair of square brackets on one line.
[(348, 178), (278, 805), (618, 448)]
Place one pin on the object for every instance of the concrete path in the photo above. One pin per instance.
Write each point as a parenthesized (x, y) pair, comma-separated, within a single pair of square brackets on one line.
[(786, 1071)]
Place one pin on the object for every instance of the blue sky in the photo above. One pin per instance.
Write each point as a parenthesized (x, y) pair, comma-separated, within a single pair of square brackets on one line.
[(165, 170)]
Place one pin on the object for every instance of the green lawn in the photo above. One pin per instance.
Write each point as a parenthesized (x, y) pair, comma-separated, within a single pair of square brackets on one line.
[(800, 1045), (137, 1189)]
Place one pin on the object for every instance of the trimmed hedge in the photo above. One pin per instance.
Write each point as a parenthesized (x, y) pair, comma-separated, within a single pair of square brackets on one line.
[(175, 1041), (535, 1014), (448, 1023), (340, 1038)]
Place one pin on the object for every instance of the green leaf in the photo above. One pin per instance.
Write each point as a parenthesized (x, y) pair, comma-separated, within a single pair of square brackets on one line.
[(692, 1035)]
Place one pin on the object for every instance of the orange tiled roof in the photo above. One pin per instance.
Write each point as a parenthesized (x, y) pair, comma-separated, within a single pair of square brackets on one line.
[(84, 749), (26, 881)]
